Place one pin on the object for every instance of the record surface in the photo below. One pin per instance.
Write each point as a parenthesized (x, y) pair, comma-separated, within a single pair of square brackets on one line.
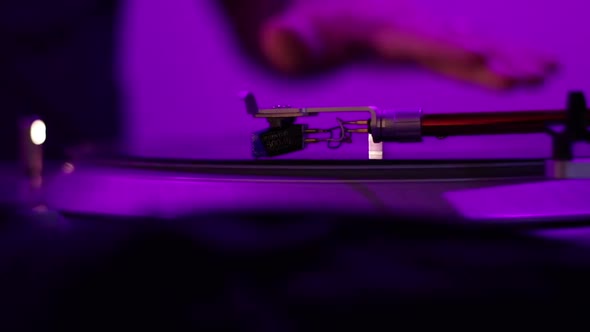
[(507, 190)]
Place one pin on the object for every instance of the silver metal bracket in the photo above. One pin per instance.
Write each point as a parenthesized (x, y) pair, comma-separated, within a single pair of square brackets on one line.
[(382, 126)]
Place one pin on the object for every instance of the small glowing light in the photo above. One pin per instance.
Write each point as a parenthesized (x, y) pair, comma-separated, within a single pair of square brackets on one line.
[(38, 132), (68, 168)]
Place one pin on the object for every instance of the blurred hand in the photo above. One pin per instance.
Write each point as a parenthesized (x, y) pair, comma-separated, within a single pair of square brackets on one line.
[(313, 34)]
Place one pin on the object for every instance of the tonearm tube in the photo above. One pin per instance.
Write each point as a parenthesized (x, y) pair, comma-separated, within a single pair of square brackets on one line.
[(284, 135)]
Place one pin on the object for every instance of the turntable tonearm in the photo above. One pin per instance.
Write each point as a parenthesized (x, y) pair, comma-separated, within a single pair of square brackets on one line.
[(284, 135)]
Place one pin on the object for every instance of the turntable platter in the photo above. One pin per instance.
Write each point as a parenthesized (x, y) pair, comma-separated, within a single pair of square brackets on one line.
[(172, 188)]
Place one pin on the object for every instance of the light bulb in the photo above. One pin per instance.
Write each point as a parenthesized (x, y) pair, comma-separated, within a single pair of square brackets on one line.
[(38, 132)]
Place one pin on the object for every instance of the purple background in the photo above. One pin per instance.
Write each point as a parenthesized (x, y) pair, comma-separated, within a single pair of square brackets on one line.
[(182, 72)]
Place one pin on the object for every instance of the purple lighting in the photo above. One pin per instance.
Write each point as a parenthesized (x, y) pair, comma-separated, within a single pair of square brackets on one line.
[(175, 82), (539, 200)]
